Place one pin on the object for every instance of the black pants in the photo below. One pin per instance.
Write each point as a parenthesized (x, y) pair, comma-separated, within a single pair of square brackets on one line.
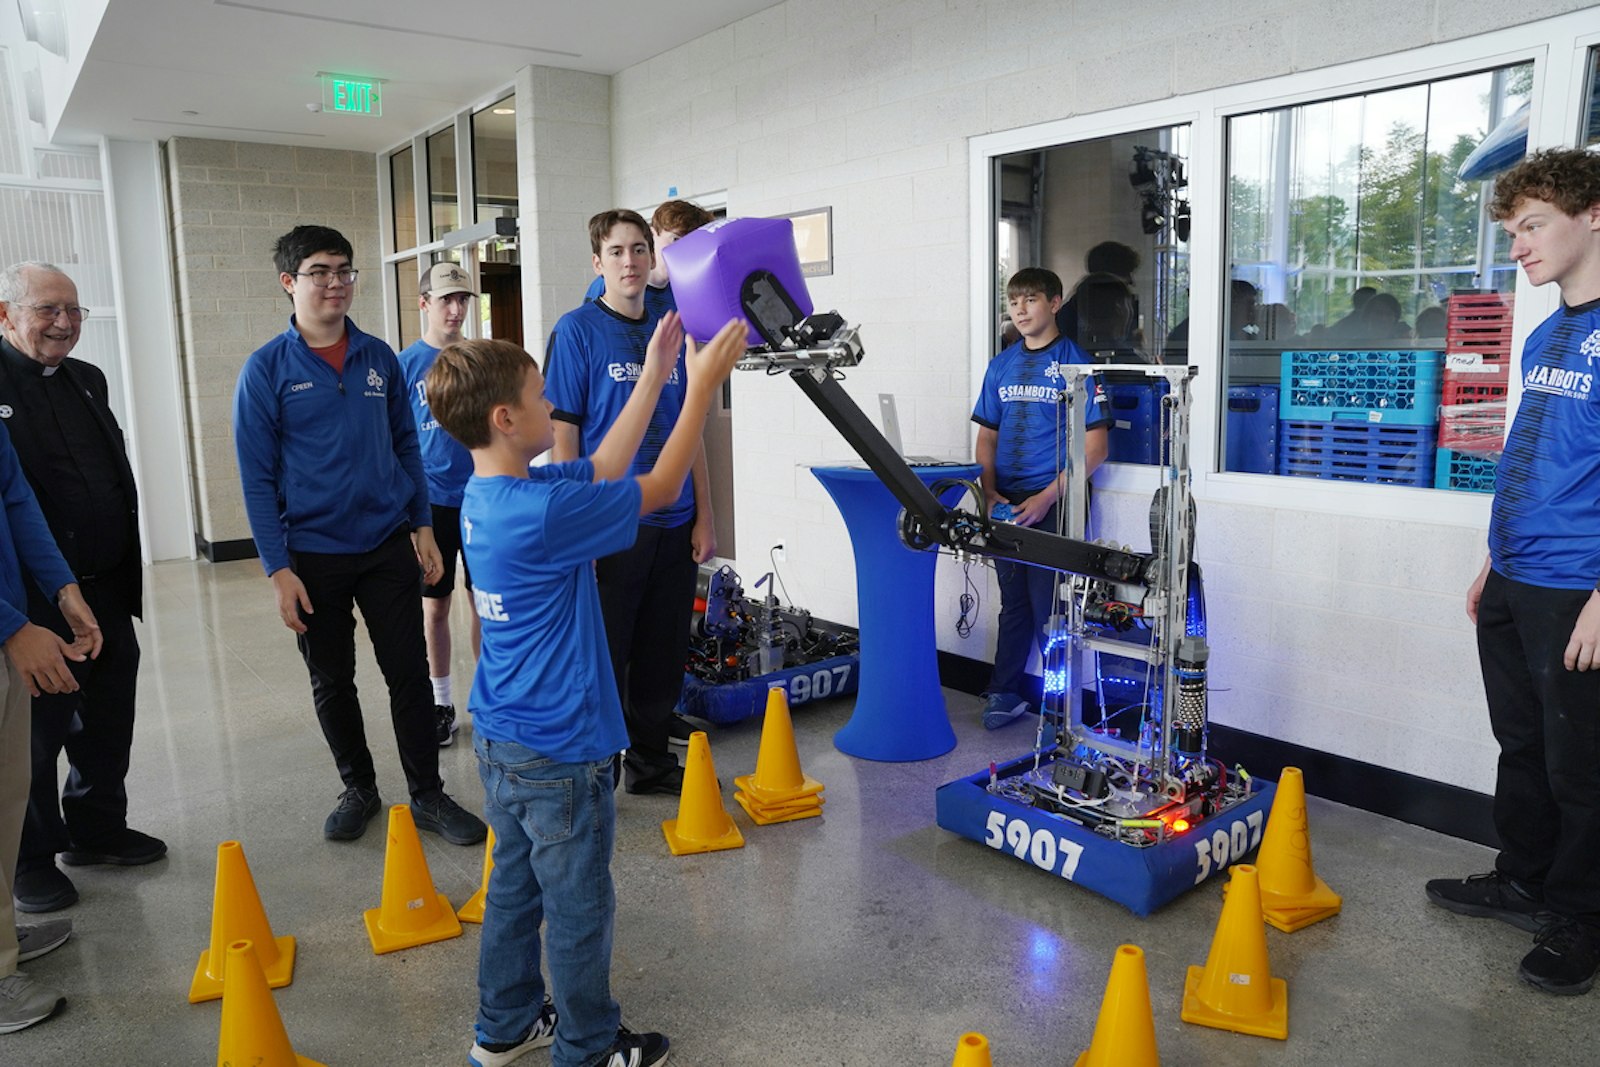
[(647, 598), (95, 727), (386, 585), (1547, 720)]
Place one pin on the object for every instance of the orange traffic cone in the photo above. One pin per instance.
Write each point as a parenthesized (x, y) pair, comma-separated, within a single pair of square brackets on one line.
[(972, 1051), (1125, 1033), (702, 824), (778, 791), (1292, 896), (1235, 990), (472, 910), (413, 911), (252, 1029), (237, 915)]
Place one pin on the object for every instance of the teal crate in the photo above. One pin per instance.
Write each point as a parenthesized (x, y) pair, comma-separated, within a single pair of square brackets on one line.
[(1469, 472), (1397, 388)]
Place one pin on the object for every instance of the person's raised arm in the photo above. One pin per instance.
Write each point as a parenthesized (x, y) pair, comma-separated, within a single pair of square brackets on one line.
[(708, 369), (613, 457)]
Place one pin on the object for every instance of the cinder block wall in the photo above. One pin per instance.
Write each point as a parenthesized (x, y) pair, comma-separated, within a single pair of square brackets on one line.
[(230, 201), (1336, 631)]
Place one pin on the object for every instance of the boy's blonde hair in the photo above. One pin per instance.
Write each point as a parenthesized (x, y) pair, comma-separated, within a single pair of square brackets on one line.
[(468, 380)]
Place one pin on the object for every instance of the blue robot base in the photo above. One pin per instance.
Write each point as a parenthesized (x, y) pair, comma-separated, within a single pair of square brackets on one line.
[(729, 702), (1140, 878)]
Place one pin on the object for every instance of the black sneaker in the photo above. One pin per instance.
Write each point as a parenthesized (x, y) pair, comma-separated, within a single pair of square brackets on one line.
[(678, 731), (497, 1055), (43, 889), (444, 724), (1488, 896), (667, 781), (635, 1050), (125, 848), (438, 814), (1565, 957), (348, 821)]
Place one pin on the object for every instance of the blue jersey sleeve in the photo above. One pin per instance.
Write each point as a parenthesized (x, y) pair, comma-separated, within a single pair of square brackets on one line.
[(403, 431), (587, 520), (986, 412), (566, 373)]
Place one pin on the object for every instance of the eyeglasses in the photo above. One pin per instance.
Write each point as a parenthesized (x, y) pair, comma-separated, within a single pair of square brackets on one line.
[(52, 312), (322, 278)]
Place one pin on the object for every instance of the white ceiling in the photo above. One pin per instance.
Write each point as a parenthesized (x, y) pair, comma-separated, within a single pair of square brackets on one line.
[(248, 67)]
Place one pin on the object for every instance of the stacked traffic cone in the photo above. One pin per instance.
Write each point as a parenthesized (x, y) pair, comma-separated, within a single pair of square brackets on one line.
[(472, 910), (972, 1051), (1125, 1033), (252, 1029), (413, 911), (779, 791), (1292, 896), (702, 824), (1235, 990), (237, 915)]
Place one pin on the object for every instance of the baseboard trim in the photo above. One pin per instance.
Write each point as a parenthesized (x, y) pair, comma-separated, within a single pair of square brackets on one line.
[(226, 551), (1448, 809)]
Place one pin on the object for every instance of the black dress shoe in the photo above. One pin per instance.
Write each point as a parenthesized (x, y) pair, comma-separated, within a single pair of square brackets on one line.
[(43, 889), (667, 780), (125, 848)]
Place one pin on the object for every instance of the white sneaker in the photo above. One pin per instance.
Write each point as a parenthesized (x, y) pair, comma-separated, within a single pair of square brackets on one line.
[(24, 1002), (542, 1034), (636, 1050), (36, 939)]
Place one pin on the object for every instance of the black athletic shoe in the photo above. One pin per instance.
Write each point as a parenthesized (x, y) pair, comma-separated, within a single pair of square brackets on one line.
[(348, 821), (125, 848), (666, 780), (635, 1050), (1488, 896), (43, 889), (444, 721), (678, 731), (1565, 957), (440, 815)]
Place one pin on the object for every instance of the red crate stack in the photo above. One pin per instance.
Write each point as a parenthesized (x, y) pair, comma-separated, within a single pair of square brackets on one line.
[(1477, 372)]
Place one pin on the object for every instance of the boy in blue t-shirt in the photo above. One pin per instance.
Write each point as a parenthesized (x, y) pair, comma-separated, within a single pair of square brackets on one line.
[(547, 719), (1536, 602), (446, 297), (1022, 452)]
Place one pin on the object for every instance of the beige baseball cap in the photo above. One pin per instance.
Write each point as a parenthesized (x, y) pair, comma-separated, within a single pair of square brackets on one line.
[(442, 279)]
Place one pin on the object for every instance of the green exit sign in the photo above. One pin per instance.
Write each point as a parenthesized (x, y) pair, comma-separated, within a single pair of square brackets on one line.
[(352, 95)]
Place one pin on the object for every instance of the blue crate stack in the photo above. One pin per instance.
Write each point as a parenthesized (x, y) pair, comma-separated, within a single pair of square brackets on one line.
[(1367, 416), (1470, 472), (1252, 429), (1135, 409)]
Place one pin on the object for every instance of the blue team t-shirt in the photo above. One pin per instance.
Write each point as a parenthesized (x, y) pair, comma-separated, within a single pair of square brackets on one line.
[(594, 357), (1021, 400), (544, 678), (445, 460), (1544, 526), (657, 300)]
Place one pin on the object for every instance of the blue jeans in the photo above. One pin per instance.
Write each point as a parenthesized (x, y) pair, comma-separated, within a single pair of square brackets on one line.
[(554, 827), (1027, 598)]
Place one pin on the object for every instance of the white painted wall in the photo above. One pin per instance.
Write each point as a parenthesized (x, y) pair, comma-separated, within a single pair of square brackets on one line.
[(1337, 609)]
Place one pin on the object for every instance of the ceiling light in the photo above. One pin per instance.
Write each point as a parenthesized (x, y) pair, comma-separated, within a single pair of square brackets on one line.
[(505, 111)]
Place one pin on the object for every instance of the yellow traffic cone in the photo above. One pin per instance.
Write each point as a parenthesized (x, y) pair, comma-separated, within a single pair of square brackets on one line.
[(472, 910), (778, 777), (413, 911), (1292, 896), (237, 915), (1235, 990), (252, 1029), (972, 1051), (702, 824), (1125, 1032)]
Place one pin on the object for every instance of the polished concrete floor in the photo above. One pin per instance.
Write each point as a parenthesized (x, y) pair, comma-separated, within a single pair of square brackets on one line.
[(867, 937)]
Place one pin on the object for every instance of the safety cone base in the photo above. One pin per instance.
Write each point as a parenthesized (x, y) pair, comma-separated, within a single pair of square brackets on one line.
[(1274, 1022), (682, 846), (204, 987), (472, 910), (1297, 918), (444, 929), (767, 817), (810, 787)]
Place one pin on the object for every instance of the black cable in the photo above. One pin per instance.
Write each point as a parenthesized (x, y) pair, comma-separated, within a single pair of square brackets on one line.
[(969, 603), (772, 554)]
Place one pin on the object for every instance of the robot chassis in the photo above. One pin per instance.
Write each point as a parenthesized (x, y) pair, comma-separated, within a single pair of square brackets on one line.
[(1132, 808)]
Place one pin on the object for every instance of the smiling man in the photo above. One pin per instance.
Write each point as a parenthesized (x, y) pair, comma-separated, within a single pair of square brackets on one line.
[(446, 298), (596, 356), (57, 412), (1536, 602), (338, 503)]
